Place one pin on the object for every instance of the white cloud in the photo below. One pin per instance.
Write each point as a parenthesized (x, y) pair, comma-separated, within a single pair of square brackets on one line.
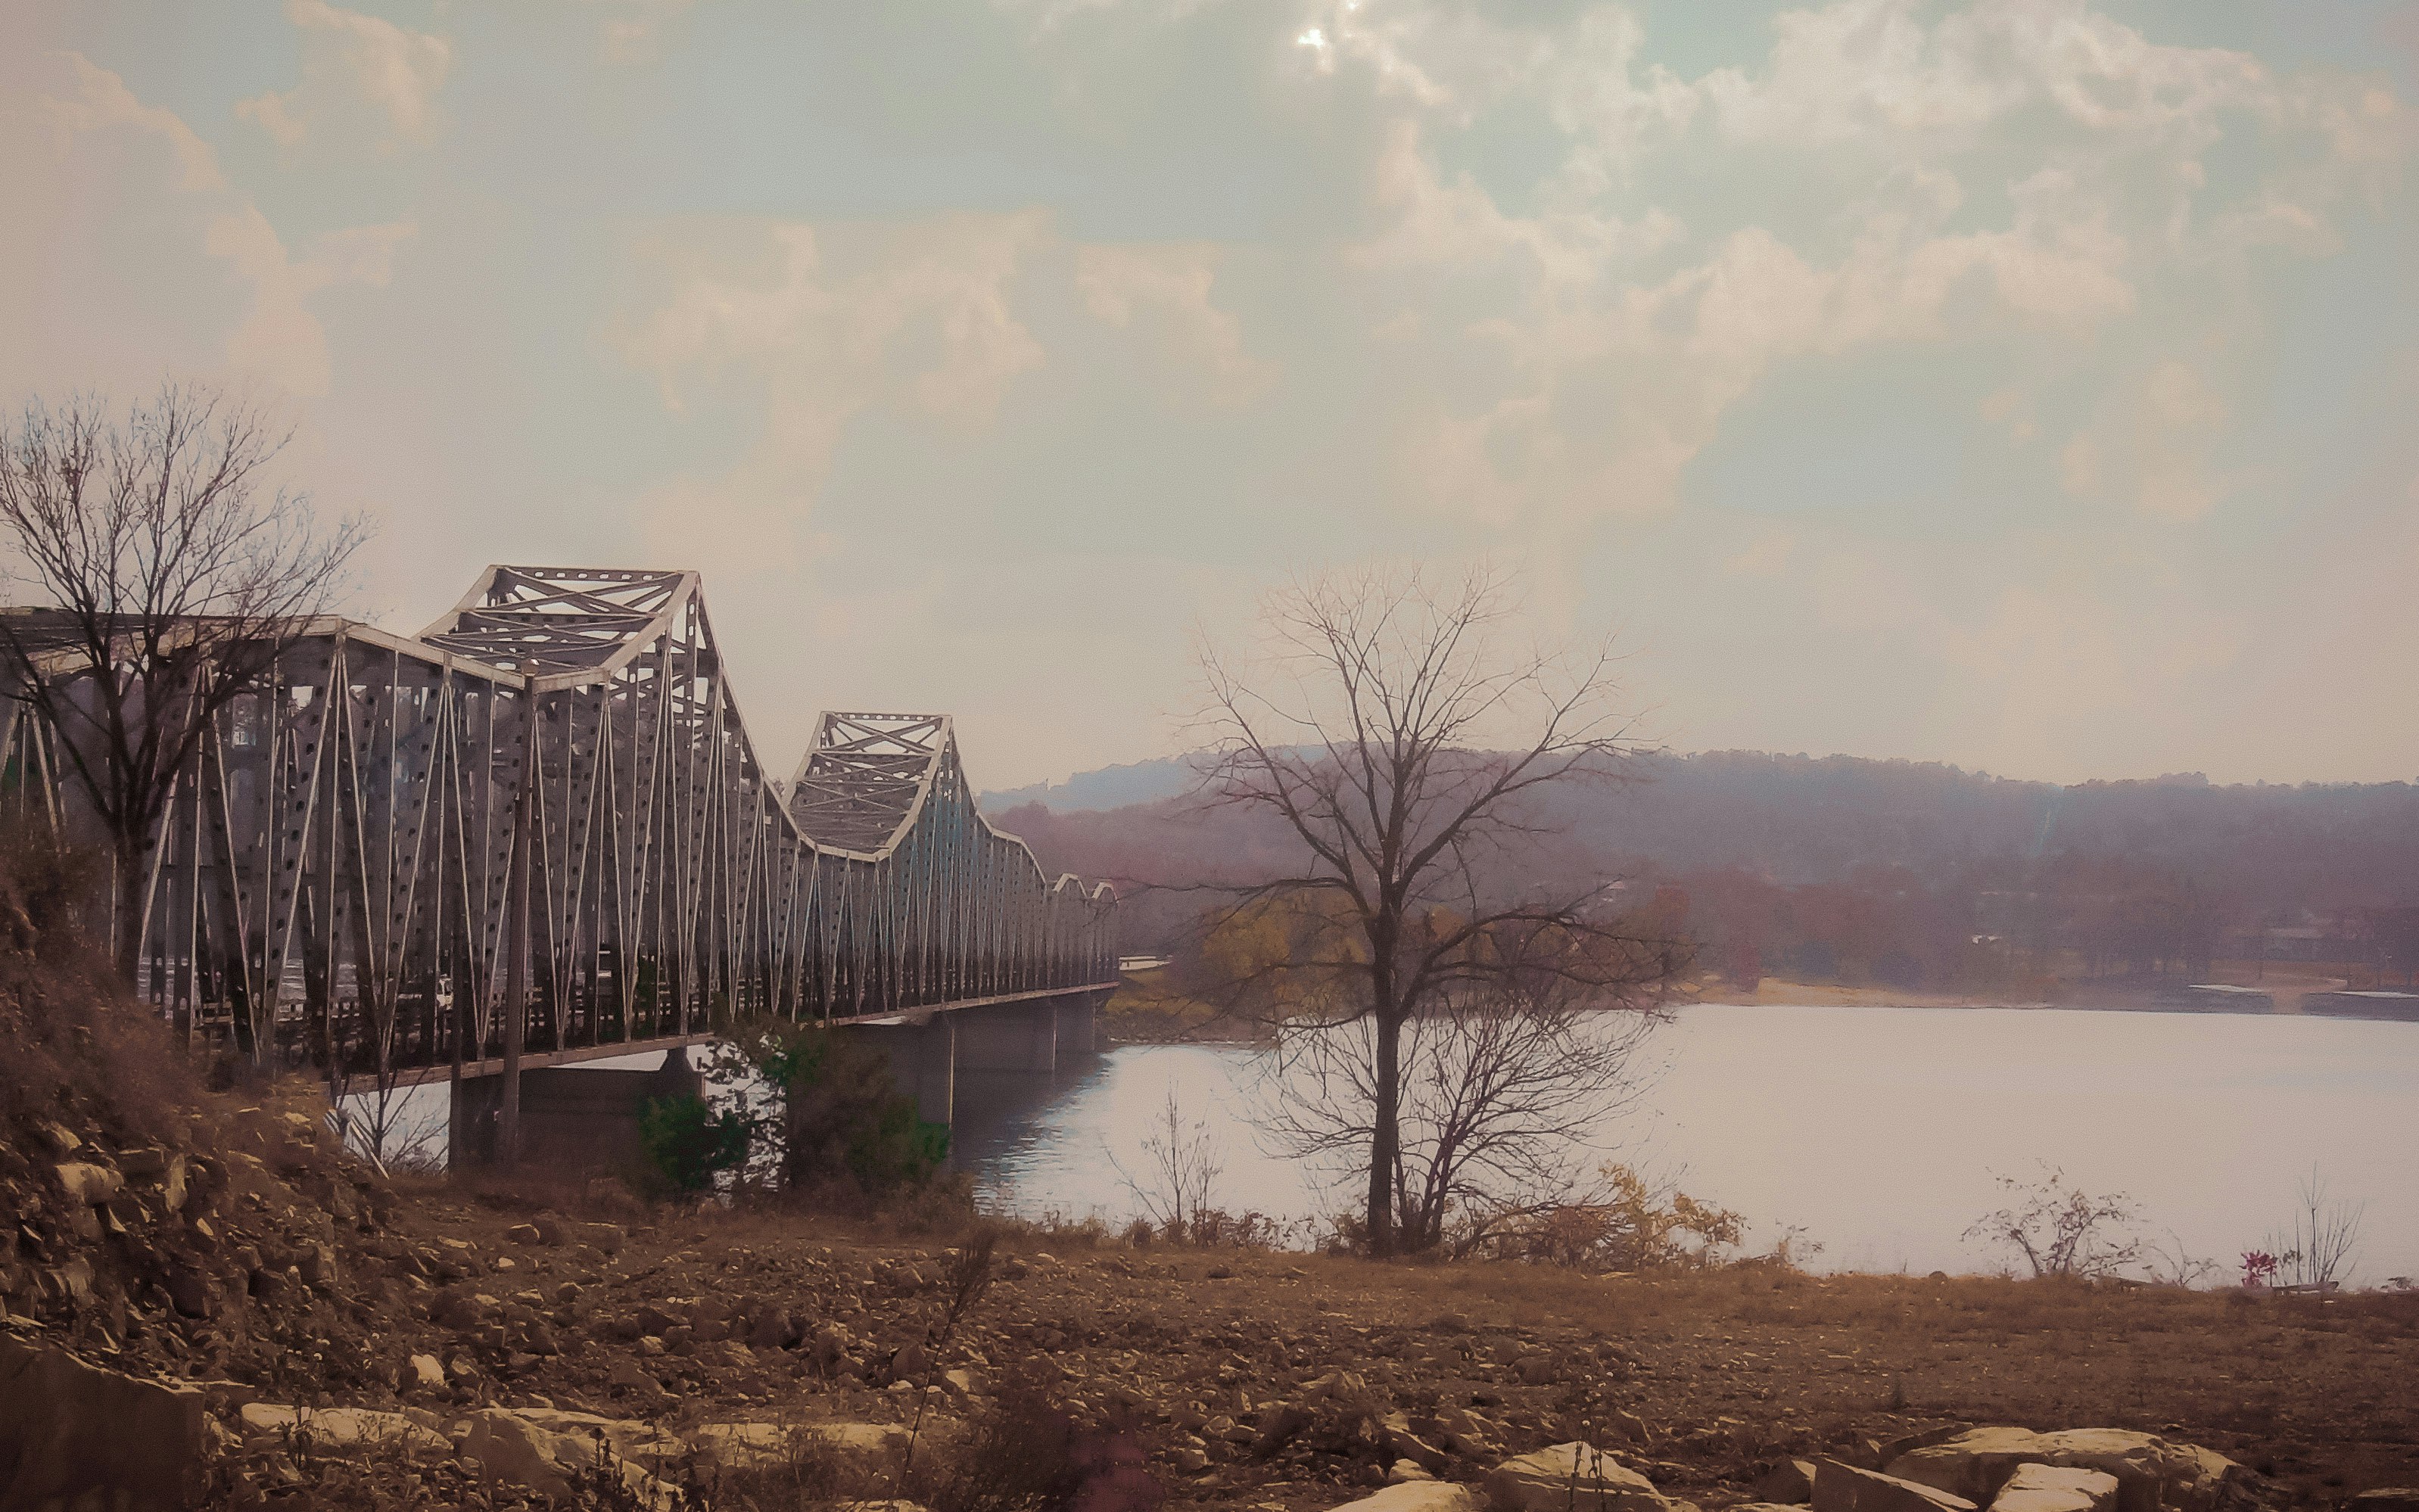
[(1169, 287), (916, 320), (106, 147), (636, 34), (1604, 335), (1765, 555), (2149, 445), (359, 73)]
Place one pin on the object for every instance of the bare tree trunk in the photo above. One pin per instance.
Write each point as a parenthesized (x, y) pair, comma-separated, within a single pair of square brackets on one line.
[(127, 880), (1385, 1139)]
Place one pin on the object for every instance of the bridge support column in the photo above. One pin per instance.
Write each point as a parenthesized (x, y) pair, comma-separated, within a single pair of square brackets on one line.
[(571, 1117), (923, 1061), (1078, 1024), (1017, 1037)]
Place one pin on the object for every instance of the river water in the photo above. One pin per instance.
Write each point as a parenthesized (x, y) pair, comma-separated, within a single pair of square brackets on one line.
[(1875, 1131)]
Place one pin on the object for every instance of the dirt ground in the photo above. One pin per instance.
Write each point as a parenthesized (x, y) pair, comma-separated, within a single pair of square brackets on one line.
[(1727, 1371)]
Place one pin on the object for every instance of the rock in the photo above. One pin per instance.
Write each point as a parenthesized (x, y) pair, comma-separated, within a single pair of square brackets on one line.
[(2151, 1472), (338, 1430), (189, 1290), (319, 1264), (865, 1438), (1790, 1482), (1840, 1487), (1282, 1425), (1402, 1471), (70, 1432), (427, 1372), (1885, 1455), (1537, 1369), (1408, 1445), (739, 1446), (1571, 1477), (1337, 1385), (87, 1184), (2052, 1488), (2386, 1499), (1633, 1428), (775, 1329), (546, 1450), (1419, 1496)]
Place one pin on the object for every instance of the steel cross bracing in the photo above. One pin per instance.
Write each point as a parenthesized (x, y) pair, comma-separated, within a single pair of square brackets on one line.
[(331, 883)]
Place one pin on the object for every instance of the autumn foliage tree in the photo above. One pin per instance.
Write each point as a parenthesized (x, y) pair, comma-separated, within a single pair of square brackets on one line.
[(1398, 729)]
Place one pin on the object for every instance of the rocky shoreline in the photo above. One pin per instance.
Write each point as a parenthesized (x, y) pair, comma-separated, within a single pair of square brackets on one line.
[(274, 1324)]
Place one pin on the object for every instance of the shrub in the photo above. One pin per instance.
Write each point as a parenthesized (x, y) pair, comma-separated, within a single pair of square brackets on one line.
[(839, 1120), (688, 1144), (2062, 1230), (1625, 1223)]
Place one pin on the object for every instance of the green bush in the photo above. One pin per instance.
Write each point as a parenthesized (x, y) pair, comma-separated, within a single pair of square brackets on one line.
[(688, 1144), (843, 1120)]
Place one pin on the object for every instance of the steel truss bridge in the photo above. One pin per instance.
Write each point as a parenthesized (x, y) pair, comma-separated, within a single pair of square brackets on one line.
[(335, 879)]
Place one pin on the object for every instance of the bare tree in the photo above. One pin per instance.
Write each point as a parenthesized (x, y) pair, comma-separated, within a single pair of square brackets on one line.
[(1180, 1165), (2062, 1230), (1508, 1082), (168, 581), (1391, 723), (2316, 1250)]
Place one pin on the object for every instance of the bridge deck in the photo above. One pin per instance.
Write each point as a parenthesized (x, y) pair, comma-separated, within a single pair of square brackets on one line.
[(493, 1066)]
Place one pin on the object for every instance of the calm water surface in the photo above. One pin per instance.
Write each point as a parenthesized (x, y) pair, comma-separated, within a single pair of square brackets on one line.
[(1876, 1131)]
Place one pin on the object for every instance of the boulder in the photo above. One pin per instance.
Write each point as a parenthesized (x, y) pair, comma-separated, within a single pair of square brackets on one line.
[(2386, 1499), (1409, 1446), (70, 1430), (2054, 1489), (549, 1451), (88, 1183), (1790, 1482), (1840, 1487), (339, 1430), (2151, 1472), (427, 1372), (1571, 1477), (1419, 1496), (864, 1438), (739, 1446)]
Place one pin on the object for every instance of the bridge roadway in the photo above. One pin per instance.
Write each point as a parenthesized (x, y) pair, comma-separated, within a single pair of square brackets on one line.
[(339, 882)]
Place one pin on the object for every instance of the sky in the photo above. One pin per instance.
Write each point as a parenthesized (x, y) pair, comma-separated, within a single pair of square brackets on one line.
[(2026, 384)]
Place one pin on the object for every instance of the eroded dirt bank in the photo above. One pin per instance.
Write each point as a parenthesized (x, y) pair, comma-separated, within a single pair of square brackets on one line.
[(280, 1275)]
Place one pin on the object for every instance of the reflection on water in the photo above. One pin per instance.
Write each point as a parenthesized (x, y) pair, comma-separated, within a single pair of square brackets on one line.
[(1876, 1131)]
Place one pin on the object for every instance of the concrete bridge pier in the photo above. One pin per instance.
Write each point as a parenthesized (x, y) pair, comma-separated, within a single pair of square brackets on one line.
[(923, 1060), (1008, 1036), (572, 1118), (1078, 1022)]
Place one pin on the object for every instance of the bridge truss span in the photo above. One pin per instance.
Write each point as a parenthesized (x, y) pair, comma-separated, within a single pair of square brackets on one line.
[(335, 879)]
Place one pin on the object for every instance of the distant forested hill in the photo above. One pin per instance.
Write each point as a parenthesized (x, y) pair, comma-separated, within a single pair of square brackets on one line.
[(1899, 871), (1108, 787)]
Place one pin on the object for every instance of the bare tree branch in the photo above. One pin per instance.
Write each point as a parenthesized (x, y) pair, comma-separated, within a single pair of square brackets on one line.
[(162, 585), (1389, 723)]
